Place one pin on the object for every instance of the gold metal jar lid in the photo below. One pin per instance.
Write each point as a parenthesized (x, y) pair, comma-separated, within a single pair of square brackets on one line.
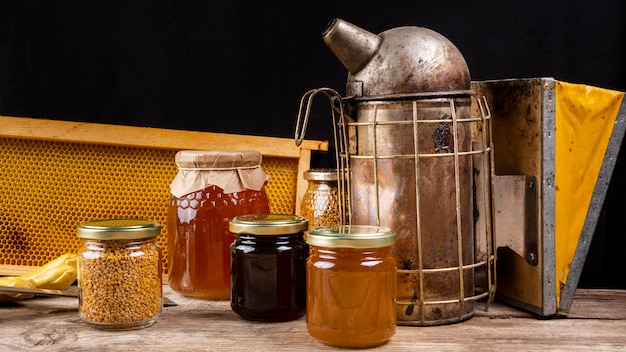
[(351, 236), (118, 229), (268, 224), (320, 175)]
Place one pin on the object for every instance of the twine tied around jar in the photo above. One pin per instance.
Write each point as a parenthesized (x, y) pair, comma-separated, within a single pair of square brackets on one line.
[(232, 171)]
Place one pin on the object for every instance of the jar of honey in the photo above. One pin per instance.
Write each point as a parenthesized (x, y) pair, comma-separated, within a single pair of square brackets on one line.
[(268, 267), (119, 273), (210, 189), (320, 202), (351, 285)]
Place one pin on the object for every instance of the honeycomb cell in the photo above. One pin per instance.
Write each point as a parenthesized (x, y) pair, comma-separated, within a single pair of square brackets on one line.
[(49, 187)]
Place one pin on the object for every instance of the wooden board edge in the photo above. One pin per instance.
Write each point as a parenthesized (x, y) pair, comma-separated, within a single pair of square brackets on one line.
[(88, 132)]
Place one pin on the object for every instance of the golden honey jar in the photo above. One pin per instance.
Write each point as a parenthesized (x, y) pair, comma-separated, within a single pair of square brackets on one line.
[(351, 285)]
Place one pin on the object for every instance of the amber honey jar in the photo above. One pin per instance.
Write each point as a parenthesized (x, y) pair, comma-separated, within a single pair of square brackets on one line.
[(268, 267), (351, 285), (320, 202), (210, 189), (119, 273)]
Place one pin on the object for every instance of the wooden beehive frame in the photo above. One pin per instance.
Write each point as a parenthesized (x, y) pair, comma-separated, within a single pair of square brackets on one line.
[(82, 133)]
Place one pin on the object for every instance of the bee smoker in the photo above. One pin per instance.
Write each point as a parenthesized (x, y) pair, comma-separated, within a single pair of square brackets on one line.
[(416, 161)]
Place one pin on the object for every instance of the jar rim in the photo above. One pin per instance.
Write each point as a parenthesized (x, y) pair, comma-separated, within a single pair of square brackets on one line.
[(118, 229), (268, 224), (321, 175), (351, 236)]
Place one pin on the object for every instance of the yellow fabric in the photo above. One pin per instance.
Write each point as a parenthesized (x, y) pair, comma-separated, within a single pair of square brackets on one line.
[(585, 117)]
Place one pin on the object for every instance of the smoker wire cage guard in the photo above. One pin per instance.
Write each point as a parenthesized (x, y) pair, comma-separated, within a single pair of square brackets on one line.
[(448, 261)]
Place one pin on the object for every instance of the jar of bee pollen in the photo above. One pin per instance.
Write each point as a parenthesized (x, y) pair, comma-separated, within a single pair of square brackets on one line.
[(119, 273)]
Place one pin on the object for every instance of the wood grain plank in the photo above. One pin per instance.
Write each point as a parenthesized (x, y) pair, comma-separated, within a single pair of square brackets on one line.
[(52, 324)]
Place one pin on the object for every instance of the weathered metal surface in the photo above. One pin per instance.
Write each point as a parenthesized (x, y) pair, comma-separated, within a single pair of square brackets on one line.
[(410, 163)]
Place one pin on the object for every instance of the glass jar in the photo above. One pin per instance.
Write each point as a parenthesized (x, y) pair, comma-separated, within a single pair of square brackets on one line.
[(119, 273), (210, 189), (351, 285), (320, 202), (268, 267)]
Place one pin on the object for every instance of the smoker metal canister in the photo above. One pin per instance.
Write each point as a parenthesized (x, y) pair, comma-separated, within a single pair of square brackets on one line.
[(409, 160)]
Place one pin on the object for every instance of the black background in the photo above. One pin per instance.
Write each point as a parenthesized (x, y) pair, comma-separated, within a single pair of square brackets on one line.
[(242, 66)]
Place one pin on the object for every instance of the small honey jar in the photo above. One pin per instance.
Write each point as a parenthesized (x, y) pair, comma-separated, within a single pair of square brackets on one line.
[(351, 285), (119, 273), (268, 266)]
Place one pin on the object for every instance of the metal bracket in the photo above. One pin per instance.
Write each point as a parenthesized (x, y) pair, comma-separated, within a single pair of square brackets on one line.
[(354, 88), (516, 220)]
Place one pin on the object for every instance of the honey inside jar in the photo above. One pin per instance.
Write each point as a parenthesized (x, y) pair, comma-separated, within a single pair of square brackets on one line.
[(199, 239), (351, 285)]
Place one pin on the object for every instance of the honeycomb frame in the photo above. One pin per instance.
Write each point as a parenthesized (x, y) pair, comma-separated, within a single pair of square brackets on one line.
[(58, 174)]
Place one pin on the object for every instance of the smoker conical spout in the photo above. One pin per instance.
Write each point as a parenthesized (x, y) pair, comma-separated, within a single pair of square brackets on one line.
[(352, 45), (402, 60)]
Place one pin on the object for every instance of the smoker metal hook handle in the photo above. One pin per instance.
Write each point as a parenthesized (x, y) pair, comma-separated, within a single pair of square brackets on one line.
[(305, 109)]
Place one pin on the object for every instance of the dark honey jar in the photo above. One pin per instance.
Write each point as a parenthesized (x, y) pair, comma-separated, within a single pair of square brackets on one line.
[(268, 266)]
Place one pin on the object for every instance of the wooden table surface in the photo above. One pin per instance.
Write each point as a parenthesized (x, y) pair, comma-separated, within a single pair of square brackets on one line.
[(597, 322)]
